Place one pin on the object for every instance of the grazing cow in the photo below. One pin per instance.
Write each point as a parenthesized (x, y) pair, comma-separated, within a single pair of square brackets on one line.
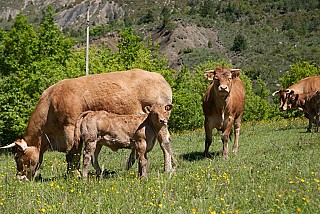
[(223, 106), (51, 125), (138, 132), (304, 86), (310, 104)]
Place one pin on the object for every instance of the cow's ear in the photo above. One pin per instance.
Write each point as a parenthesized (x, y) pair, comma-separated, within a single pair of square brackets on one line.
[(209, 74), (21, 144), (235, 72), (289, 91), (168, 107), (147, 109)]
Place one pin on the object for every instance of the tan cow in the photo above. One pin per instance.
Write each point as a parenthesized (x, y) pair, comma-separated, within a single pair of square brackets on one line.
[(304, 86), (138, 132), (310, 104), (223, 106), (51, 125)]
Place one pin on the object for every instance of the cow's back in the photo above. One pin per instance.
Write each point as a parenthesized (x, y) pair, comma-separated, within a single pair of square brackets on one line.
[(306, 85), (125, 92)]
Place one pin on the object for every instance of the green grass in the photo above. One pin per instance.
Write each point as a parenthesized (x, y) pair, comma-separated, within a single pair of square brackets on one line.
[(277, 170)]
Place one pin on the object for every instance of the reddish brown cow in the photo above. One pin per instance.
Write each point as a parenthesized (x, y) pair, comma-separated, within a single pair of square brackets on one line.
[(51, 124), (310, 104), (138, 132), (304, 86), (223, 106)]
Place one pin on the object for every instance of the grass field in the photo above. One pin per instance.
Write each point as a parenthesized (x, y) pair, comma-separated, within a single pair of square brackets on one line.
[(277, 170)]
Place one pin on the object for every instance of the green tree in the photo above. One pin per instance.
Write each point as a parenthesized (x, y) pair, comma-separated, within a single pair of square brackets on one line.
[(19, 46), (52, 43), (239, 43), (298, 72)]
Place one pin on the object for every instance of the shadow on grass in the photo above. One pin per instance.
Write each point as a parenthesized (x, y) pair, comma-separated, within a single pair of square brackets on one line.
[(196, 156)]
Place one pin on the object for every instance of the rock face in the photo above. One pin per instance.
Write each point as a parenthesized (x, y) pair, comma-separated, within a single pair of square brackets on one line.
[(70, 13), (183, 37)]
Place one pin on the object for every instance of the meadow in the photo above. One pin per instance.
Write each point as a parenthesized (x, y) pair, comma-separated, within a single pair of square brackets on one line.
[(277, 170)]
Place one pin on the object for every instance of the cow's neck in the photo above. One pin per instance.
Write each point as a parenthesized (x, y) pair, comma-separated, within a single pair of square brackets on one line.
[(220, 103)]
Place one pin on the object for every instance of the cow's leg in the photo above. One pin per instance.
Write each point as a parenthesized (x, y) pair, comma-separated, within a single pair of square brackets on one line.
[(131, 159), (208, 141), (311, 118), (141, 148), (237, 125), (225, 138), (95, 161), (87, 154), (317, 122), (165, 144), (73, 150)]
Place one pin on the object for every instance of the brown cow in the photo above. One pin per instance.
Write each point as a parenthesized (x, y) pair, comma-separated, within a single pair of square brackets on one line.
[(51, 125), (304, 86), (310, 104), (138, 132), (223, 106)]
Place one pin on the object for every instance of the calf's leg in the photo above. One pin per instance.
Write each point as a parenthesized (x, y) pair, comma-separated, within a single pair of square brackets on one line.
[(87, 154), (95, 162), (165, 144), (141, 148)]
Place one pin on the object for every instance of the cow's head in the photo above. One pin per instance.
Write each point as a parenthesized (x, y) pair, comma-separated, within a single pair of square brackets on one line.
[(284, 95), (159, 114), (222, 78), (26, 157)]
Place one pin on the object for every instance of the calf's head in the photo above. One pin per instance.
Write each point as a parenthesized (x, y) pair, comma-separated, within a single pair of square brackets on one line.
[(27, 159), (159, 114), (222, 78)]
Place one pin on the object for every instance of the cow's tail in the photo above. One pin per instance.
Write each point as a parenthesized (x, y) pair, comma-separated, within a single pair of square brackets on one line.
[(77, 131)]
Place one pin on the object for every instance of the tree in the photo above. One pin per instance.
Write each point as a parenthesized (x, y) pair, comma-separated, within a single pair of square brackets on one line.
[(19, 46), (298, 72), (52, 43), (239, 43)]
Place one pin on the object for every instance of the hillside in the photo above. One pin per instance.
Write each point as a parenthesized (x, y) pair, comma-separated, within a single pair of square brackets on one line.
[(272, 35)]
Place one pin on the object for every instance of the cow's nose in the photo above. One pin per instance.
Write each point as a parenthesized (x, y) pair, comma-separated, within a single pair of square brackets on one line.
[(223, 88), (163, 121)]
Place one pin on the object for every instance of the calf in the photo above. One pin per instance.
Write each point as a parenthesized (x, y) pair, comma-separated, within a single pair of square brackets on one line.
[(136, 132), (310, 104), (223, 106)]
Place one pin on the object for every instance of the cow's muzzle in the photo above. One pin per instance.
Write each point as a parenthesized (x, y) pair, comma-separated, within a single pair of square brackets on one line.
[(223, 89), (163, 122)]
